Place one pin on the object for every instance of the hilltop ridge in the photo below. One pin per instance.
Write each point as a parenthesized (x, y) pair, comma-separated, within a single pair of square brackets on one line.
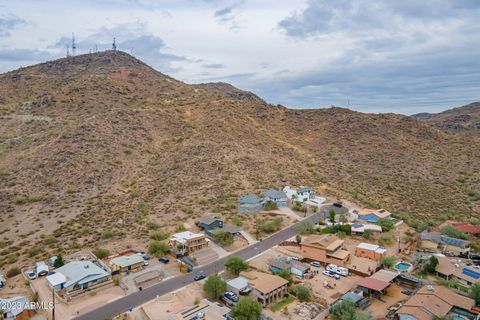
[(104, 142)]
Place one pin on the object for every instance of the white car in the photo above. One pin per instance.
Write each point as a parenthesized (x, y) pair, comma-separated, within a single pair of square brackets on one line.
[(145, 263), (328, 273), (342, 271), (332, 267)]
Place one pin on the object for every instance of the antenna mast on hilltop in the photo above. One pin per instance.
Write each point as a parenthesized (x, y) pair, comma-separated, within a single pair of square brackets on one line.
[(74, 46), (68, 50), (114, 45)]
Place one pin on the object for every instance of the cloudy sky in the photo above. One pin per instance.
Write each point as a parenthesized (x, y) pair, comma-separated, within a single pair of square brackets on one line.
[(377, 56)]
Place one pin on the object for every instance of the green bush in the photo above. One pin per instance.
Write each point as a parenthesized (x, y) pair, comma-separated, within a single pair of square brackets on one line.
[(270, 205), (223, 238), (159, 236), (214, 287), (386, 224), (302, 293), (158, 248), (101, 253)]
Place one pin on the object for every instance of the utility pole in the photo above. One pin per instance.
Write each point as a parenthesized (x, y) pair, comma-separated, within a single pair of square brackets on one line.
[(53, 299), (74, 46)]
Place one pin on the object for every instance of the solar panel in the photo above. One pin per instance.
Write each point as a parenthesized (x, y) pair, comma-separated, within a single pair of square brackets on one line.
[(471, 273)]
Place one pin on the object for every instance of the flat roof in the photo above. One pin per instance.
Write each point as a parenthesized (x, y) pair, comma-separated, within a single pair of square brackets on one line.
[(186, 235), (385, 275), (126, 261), (263, 282), (238, 283), (56, 279), (373, 284)]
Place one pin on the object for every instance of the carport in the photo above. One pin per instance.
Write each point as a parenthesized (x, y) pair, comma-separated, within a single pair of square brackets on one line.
[(372, 286)]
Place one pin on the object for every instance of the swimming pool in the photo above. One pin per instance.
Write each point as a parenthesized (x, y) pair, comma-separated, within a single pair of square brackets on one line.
[(403, 266)]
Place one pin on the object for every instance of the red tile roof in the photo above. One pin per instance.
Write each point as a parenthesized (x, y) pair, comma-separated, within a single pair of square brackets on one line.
[(466, 228), (373, 284)]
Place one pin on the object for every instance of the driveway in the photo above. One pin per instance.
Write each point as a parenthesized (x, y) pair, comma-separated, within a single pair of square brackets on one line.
[(121, 305)]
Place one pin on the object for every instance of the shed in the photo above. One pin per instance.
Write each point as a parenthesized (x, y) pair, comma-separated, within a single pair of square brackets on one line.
[(57, 280)]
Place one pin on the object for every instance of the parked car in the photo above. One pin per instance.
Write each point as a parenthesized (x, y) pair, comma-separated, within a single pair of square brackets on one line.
[(31, 275), (328, 273), (332, 268), (337, 204), (145, 263), (342, 271), (294, 258), (231, 296), (199, 277), (315, 264), (146, 257), (408, 292), (164, 260)]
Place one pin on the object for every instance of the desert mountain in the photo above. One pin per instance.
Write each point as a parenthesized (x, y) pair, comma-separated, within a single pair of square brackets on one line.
[(461, 119), (102, 142)]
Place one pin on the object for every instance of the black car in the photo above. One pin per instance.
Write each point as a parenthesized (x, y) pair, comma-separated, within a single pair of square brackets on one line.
[(199, 277), (337, 204), (164, 260), (146, 257)]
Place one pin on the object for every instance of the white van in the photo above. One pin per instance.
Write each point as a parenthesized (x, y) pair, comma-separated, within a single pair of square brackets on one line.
[(342, 271), (332, 268)]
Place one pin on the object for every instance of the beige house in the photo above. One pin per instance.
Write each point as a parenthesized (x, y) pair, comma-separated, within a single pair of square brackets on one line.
[(326, 248), (370, 251), (188, 242), (434, 302), (266, 288), (458, 271)]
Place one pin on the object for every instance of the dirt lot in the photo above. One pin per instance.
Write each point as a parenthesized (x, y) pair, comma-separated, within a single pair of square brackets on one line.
[(341, 286), (164, 307), (379, 309)]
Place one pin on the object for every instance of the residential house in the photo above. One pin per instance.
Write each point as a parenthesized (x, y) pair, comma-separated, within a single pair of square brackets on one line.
[(188, 242), (373, 215), (266, 288), (457, 271), (467, 228), (208, 309), (17, 308), (209, 222), (250, 203), (360, 228), (285, 264), (436, 241), (356, 297), (211, 225), (436, 302), (128, 263), (77, 275), (238, 286), (304, 194), (326, 248), (279, 197), (370, 251)]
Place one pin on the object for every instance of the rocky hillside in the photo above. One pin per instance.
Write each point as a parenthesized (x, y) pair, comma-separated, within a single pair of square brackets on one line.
[(462, 119), (101, 146)]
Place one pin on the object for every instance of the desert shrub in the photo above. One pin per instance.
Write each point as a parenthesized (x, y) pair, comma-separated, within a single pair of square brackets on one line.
[(12, 272), (386, 239), (158, 248), (101, 253), (224, 238), (270, 205), (106, 234), (158, 235)]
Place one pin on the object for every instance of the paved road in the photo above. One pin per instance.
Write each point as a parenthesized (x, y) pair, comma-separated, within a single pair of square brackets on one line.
[(121, 305)]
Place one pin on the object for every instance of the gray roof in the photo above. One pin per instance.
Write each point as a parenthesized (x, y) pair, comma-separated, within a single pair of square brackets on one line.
[(285, 264), (81, 272), (126, 261), (208, 219), (438, 237), (275, 194), (305, 189), (351, 296), (249, 199)]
